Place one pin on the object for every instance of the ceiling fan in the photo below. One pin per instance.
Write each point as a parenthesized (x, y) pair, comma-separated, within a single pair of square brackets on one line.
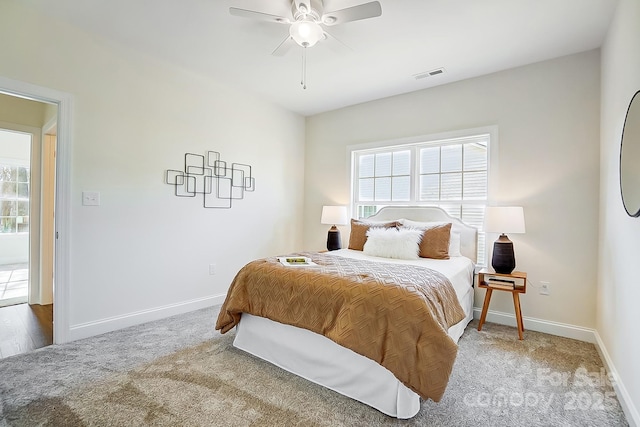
[(307, 18)]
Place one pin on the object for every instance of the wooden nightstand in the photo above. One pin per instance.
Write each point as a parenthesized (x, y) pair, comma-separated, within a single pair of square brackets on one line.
[(516, 283)]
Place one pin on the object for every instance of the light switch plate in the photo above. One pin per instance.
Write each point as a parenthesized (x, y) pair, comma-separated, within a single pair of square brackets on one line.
[(90, 198)]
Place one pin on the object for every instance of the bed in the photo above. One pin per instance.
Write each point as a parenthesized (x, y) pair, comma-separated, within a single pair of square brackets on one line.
[(323, 361)]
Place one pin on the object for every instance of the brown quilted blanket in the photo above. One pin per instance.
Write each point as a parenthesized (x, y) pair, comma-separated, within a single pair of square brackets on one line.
[(397, 315)]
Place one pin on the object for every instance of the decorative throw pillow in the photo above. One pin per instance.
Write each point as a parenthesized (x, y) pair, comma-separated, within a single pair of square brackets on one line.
[(454, 241), (454, 244), (435, 242), (393, 243), (420, 224), (359, 229)]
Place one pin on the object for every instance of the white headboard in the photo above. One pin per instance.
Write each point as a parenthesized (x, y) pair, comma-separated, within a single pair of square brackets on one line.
[(468, 234)]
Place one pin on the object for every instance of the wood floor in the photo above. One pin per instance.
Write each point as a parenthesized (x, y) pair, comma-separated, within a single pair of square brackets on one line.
[(24, 328)]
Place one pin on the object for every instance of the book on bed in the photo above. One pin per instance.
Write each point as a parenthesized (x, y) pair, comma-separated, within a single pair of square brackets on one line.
[(296, 261)]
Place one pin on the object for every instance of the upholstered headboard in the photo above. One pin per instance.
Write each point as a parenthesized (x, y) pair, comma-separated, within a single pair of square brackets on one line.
[(468, 234)]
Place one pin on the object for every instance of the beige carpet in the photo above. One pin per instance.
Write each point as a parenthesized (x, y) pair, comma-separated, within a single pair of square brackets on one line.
[(497, 381)]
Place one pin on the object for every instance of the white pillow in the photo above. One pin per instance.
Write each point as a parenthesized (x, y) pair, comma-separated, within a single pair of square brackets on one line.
[(418, 224), (454, 244), (454, 240), (393, 243)]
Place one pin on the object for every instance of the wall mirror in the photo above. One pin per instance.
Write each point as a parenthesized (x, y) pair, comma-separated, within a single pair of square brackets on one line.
[(630, 158)]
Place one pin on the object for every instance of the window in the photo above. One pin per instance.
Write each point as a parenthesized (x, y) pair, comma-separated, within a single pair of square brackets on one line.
[(450, 173), (14, 198)]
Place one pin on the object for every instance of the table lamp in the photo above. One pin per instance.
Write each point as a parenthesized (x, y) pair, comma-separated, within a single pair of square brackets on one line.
[(503, 220), (334, 215)]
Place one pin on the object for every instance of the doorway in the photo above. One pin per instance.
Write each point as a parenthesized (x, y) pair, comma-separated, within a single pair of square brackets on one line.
[(63, 102), (27, 187), (15, 176)]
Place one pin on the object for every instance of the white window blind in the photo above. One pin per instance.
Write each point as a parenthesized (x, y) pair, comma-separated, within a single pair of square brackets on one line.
[(451, 174)]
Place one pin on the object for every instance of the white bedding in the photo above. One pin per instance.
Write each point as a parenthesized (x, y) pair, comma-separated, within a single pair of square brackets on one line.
[(320, 360), (459, 269)]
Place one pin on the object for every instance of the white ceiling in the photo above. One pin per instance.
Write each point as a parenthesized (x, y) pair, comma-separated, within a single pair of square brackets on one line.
[(467, 38)]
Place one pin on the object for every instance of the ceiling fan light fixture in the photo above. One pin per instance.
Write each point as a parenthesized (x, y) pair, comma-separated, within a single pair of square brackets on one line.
[(306, 33)]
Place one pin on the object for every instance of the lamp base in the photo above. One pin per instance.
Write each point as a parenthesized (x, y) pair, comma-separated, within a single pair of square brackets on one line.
[(504, 259), (334, 242)]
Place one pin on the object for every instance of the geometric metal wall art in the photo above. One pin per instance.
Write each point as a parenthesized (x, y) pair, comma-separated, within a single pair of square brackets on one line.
[(209, 176)]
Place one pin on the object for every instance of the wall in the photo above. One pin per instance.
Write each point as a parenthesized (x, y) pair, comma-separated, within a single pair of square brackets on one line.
[(547, 116), (22, 111), (145, 253), (618, 282)]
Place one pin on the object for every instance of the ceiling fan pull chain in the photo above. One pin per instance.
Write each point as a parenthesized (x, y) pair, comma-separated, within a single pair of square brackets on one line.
[(304, 68)]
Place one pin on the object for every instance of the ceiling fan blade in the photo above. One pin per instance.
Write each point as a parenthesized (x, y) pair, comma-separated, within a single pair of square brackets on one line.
[(336, 44), (284, 47), (252, 14), (303, 6), (355, 13)]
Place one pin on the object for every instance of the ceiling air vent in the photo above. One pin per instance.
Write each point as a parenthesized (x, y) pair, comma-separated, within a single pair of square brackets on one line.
[(431, 73)]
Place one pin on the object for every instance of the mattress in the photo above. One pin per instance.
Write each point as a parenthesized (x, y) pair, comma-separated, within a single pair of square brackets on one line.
[(322, 361)]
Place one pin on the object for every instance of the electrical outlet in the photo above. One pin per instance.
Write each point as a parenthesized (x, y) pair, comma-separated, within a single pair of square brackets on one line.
[(545, 288), (212, 269)]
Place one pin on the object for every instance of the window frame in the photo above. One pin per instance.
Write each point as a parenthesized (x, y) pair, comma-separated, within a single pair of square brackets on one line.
[(453, 137), (18, 162), (25, 165)]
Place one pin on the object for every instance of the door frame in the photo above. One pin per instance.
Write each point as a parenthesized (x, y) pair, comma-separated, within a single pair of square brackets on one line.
[(62, 277), (47, 210)]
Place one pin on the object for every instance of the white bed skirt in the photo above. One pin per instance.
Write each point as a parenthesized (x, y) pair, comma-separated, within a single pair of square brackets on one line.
[(322, 361)]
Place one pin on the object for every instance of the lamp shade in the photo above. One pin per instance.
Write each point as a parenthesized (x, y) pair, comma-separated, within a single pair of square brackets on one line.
[(334, 215), (306, 32), (504, 219)]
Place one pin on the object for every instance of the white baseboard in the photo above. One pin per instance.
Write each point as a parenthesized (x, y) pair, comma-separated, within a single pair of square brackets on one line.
[(14, 260), (577, 333), (89, 329), (539, 325), (630, 411), (12, 301)]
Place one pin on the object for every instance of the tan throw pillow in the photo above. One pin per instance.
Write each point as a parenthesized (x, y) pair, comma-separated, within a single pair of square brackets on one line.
[(435, 242), (358, 236)]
